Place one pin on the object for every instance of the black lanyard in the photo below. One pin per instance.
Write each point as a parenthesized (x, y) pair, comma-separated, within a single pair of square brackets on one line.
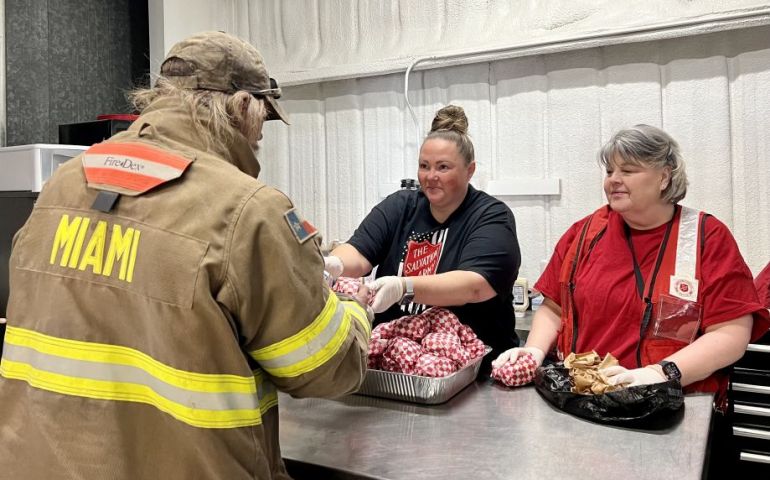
[(640, 280), (658, 261)]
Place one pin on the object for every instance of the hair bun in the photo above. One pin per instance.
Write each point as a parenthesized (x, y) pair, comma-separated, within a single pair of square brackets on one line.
[(451, 118)]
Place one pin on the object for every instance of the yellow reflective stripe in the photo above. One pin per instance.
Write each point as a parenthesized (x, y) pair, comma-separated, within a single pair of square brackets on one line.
[(103, 390), (359, 314), (113, 354), (312, 346), (79, 368), (303, 336)]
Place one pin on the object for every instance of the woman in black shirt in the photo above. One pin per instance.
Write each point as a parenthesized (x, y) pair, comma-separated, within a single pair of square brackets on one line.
[(447, 244)]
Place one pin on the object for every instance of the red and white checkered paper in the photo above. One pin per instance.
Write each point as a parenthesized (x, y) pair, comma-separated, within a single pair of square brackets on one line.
[(404, 352), (441, 320), (385, 330), (518, 373), (411, 326), (476, 348), (443, 344), (389, 365), (466, 334), (429, 365), (350, 286), (373, 362), (447, 345), (377, 346)]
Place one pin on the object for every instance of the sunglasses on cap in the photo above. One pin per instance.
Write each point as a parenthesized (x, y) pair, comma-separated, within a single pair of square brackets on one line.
[(274, 90)]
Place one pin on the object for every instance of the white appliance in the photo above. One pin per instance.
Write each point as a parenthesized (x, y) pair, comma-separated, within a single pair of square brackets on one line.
[(23, 171), (25, 168)]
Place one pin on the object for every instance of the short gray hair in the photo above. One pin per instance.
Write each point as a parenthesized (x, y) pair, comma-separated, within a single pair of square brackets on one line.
[(649, 146)]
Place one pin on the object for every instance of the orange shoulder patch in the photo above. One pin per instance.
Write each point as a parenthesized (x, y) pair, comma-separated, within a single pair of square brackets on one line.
[(131, 168)]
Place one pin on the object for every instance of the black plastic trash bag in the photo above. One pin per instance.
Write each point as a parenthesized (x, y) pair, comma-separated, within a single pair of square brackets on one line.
[(653, 406)]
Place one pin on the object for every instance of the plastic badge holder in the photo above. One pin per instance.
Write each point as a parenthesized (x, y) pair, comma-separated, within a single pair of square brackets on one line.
[(417, 389), (653, 407), (676, 319)]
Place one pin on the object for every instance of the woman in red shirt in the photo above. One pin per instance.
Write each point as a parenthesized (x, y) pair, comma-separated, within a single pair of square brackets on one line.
[(660, 286)]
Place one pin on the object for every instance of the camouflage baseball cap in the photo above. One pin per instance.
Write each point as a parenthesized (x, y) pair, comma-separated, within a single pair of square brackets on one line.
[(219, 61)]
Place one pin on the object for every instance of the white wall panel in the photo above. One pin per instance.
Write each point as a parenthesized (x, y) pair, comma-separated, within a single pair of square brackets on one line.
[(327, 39), (750, 123), (345, 169), (307, 41), (296, 156), (696, 113), (574, 88), (520, 99), (543, 117), (385, 135)]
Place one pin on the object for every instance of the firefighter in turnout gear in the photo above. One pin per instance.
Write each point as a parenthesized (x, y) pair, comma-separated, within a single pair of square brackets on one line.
[(161, 294)]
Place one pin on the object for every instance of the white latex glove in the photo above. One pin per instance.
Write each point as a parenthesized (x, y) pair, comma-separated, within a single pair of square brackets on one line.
[(638, 376), (511, 355), (387, 291), (334, 266)]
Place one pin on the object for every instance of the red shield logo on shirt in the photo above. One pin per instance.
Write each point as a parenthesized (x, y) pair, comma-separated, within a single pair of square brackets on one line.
[(421, 258)]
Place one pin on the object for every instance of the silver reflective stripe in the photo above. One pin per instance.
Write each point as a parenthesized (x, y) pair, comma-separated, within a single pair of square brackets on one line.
[(107, 372), (311, 347), (687, 243)]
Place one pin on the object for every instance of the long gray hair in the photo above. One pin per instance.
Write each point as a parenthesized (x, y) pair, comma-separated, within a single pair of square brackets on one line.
[(226, 113)]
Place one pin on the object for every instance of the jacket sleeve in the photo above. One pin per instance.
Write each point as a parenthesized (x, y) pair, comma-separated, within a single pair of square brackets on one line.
[(307, 340)]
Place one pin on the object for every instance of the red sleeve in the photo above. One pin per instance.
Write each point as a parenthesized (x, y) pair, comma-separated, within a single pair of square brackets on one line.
[(728, 289), (548, 283), (762, 284)]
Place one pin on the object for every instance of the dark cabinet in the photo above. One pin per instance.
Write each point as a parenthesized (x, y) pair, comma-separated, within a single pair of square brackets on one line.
[(750, 398)]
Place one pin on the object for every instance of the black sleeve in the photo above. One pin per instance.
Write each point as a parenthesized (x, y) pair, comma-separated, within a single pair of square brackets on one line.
[(375, 234), (492, 249)]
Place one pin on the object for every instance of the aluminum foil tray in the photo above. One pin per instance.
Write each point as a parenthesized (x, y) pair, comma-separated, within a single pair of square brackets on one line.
[(417, 389)]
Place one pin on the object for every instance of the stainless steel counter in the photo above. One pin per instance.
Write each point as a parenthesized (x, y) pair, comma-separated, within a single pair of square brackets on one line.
[(485, 432)]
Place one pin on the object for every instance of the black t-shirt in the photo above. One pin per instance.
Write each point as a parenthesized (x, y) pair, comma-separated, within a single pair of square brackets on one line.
[(401, 237)]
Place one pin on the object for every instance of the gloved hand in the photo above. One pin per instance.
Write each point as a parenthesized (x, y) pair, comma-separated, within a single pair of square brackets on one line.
[(362, 296), (334, 266), (387, 291), (638, 376), (513, 354)]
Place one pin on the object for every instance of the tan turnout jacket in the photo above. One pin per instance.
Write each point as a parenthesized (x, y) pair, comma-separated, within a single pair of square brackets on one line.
[(148, 341)]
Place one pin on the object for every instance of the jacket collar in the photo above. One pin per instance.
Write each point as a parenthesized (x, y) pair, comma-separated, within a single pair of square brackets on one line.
[(171, 120)]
